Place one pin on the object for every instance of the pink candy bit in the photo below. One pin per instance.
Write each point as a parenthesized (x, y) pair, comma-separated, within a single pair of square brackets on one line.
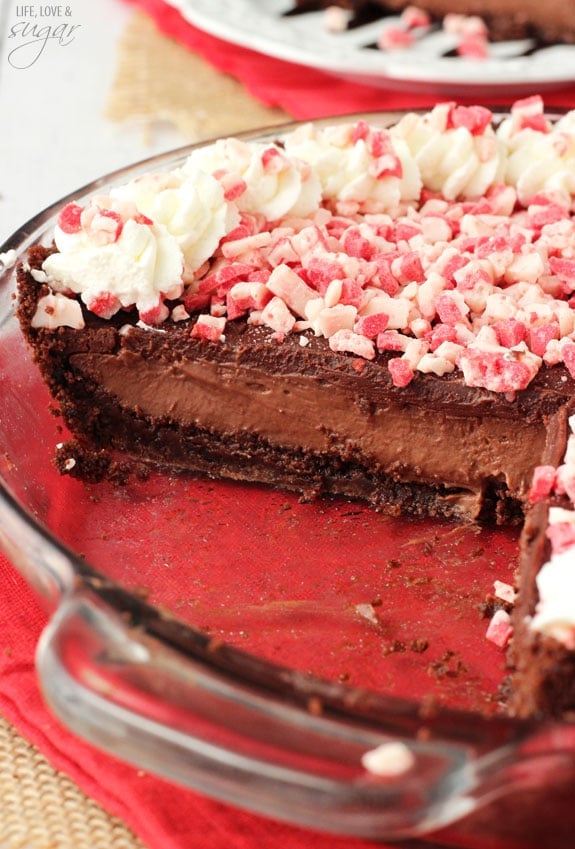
[(395, 38), (391, 340), (401, 372), (156, 314), (439, 334), (272, 161), (408, 268), (564, 269), (288, 286), (108, 224), (476, 119), (387, 165), (209, 328), (465, 25), (248, 226), (352, 343), (351, 292), (371, 325), (233, 186), (528, 113), (277, 316), (539, 337), (413, 17), (246, 296), (360, 131), (568, 352), (140, 218), (500, 630), (104, 305), (541, 483), (321, 271), (473, 47), (355, 244), (220, 281), (403, 231), (379, 143), (510, 332), (492, 370), (504, 591), (562, 536), (69, 219), (450, 310), (540, 215)]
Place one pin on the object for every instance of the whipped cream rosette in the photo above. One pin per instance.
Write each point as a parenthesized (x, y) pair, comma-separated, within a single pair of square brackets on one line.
[(259, 177), (358, 164), (455, 149)]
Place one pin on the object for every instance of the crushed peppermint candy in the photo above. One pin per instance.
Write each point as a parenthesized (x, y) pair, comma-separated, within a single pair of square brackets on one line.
[(500, 630), (504, 591), (388, 760), (467, 269)]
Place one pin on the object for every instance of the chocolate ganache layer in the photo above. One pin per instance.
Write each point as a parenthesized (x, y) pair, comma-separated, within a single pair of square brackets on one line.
[(319, 423)]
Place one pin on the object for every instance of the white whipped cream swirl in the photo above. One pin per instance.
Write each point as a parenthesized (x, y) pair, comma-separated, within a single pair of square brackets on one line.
[(353, 166), (190, 205), (452, 161), (539, 162), (141, 267), (259, 177)]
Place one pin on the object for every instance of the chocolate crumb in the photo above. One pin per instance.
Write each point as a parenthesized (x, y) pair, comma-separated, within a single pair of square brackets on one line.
[(447, 667), (491, 604), (315, 706), (394, 647)]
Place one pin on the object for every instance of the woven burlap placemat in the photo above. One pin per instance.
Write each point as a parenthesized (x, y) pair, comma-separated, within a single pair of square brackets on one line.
[(157, 80), (42, 809)]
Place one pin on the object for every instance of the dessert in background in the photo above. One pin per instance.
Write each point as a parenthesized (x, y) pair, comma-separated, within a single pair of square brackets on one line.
[(504, 19)]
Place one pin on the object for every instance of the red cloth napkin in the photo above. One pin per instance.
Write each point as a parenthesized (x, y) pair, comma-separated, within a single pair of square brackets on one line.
[(301, 91), (163, 816)]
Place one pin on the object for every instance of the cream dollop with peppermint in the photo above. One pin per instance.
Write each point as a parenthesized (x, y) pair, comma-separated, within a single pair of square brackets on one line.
[(258, 178), (405, 242), (358, 164), (113, 263), (540, 155), (190, 205), (455, 148)]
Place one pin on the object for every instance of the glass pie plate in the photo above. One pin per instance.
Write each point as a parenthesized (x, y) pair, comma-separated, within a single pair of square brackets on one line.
[(254, 647)]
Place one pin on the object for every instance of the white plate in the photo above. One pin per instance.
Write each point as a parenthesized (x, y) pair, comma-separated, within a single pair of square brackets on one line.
[(262, 25)]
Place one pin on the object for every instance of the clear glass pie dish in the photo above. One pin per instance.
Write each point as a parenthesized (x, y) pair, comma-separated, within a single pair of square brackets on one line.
[(240, 642)]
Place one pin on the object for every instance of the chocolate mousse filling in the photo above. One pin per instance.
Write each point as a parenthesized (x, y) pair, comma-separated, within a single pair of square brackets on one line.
[(325, 429)]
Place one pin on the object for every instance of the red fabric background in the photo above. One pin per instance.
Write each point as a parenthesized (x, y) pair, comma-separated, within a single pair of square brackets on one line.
[(163, 816)]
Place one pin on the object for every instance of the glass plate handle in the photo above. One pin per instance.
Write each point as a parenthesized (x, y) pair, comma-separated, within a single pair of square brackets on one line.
[(300, 760)]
